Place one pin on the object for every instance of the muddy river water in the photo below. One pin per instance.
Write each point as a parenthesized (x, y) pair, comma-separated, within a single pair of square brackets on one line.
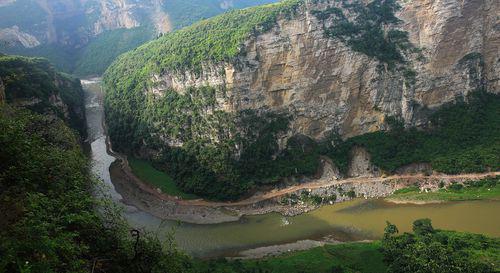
[(349, 221)]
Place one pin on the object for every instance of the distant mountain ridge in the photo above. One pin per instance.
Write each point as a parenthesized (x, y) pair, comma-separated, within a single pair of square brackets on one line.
[(69, 32)]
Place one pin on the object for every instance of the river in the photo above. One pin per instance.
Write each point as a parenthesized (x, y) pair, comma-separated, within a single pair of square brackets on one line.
[(349, 221)]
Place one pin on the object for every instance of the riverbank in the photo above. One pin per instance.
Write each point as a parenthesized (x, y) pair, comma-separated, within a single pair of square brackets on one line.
[(288, 201), (349, 257), (459, 250), (485, 189), (349, 221)]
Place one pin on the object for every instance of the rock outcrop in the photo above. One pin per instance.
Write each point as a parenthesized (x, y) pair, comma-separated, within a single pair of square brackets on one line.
[(360, 164), (325, 85), (114, 14), (14, 35)]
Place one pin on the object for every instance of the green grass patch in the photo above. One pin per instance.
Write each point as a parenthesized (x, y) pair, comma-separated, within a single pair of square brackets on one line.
[(485, 189), (147, 173), (350, 257), (413, 189)]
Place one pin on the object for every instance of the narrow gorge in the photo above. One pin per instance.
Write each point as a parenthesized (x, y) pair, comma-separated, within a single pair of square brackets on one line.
[(273, 88)]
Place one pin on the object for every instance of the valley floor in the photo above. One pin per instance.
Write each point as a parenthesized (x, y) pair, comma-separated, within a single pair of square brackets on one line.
[(151, 199)]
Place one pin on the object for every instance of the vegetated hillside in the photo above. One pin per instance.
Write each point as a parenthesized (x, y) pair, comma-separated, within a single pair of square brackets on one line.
[(253, 96), (84, 37), (33, 83), (50, 220), (95, 58)]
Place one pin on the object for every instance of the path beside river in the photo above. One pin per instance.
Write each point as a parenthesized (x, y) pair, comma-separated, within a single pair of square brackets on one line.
[(348, 221), (146, 197)]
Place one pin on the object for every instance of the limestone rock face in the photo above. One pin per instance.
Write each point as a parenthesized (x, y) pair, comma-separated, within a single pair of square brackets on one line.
[(114, 14), (326, 86), (74, 22), (329, 170), (360, 164), (14, 35)]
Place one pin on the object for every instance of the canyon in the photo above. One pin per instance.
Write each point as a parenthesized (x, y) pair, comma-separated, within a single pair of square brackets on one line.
[(268, 89), (325, 85), (65, 30)]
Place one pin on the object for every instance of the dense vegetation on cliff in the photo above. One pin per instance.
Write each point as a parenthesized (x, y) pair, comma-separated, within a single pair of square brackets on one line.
[(77, 50), (213, 40), (461, 137), (51, 221), (36, 85), (220, 154), (363, 27)]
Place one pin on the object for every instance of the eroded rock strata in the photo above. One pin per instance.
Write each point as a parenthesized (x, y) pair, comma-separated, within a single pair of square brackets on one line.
[(325, 85), (241, 99)]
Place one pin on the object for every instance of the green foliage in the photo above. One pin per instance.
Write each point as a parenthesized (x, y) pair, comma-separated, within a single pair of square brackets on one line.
[(10, 15), (184, 13), (102, 50), (34, 80), (463, 137), (146, 172), (436, 251), (363, 27), (222, 155), (62, 57), (484, 189), (351, 194), (408, 190), (345, 258), (49, 222), (217, 39)]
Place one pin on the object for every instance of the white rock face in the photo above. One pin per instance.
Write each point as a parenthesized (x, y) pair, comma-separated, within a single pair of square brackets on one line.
[(102, 15), (115, 14), (327, 86), (14, 35)]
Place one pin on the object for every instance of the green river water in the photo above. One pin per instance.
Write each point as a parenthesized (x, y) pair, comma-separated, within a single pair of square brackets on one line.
[(349, 221)]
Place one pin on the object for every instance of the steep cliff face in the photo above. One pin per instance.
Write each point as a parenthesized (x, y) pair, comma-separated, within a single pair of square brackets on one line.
[(256, 95), (325, 85)]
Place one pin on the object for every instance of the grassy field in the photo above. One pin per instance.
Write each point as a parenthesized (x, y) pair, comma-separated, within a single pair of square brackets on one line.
[(486, 189), (349, 257), (147, 173)]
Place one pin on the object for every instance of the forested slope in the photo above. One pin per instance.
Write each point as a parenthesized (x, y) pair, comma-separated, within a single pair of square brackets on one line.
[(51, 220), (250, 98)]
